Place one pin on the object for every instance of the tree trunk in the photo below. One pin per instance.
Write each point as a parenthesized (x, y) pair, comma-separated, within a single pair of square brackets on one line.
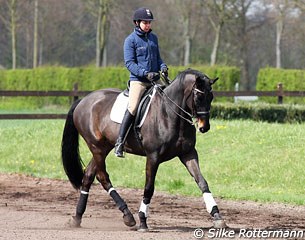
[(35, 47), (13, 33), (187, 42), (40, 52), (98, 36), (215, 45), (279, 31), (102, 33)]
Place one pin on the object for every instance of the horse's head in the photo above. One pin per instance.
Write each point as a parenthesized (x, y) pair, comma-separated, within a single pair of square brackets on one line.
[(203, 97), (200, 99)]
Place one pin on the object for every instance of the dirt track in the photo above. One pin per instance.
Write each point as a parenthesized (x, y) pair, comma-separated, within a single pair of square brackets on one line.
[(32, 208)]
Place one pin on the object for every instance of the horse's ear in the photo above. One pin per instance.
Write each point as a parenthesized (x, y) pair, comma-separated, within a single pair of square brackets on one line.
[(212, 81)]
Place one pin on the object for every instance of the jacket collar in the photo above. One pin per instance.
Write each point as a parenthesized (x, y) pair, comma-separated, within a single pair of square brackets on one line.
[(140, 32)]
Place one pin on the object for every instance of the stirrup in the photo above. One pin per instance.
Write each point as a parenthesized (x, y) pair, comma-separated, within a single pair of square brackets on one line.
[(119, 150)]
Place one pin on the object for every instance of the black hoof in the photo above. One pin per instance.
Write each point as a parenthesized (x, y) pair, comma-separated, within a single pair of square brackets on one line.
[(143, 224), (140, 229), (128, 218)]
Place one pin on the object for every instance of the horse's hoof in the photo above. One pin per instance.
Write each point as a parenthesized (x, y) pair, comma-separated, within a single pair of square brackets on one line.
[(143, 229), (143, 226), (218, 222), (128, 219), (74, 222)]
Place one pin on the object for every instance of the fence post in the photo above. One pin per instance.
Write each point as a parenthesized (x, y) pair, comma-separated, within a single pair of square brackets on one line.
[(75, 90), (280, 94)]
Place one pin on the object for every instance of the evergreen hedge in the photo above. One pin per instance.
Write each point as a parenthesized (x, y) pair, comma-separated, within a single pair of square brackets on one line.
[(292, 80), (89, 79), (259, 112)]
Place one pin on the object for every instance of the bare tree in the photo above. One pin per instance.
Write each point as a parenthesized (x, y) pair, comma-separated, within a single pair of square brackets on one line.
[(188, 11), (241, 25), (300, 4), (100, 10), (10, 22), (279, 11), (218, 13), (35, 47)]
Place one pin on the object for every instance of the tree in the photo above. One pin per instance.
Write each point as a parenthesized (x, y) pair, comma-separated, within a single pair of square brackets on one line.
[(103, 26), (10, 22), (218, 14), (279, 10), (100, 10), (35, 47), (241, 25)]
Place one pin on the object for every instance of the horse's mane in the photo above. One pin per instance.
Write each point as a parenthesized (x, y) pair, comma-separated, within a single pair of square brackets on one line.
[(181, 75)]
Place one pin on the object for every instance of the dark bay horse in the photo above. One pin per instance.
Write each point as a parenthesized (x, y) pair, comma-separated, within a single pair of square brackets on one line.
[(167, 132)]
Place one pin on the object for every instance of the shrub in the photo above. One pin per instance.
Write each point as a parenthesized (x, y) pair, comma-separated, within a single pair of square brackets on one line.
[(89, 78), (292, 80), (259, 112)]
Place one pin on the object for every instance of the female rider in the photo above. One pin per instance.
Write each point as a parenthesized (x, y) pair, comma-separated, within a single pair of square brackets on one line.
[(142, 59)]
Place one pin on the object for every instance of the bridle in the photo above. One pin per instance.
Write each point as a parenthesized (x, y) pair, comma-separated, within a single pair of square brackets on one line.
[(193, 115), (198, 113)]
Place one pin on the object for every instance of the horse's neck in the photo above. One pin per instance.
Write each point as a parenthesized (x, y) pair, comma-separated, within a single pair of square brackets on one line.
[(175, 92), (173, 100)]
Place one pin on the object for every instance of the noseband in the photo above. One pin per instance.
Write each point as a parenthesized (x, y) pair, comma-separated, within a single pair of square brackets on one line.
[(198, 113)]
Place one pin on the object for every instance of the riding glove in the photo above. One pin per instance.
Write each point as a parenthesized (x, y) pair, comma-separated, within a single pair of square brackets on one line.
[(164, 71), (152, 76)]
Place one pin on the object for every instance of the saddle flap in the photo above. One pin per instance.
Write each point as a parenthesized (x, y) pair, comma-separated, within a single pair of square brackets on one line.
[(121, 103)]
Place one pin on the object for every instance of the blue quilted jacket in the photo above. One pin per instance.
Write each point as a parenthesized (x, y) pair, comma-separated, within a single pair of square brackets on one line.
[(142, 55)]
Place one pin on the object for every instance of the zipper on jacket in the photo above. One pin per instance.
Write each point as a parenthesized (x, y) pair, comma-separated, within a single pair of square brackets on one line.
[(149, 51)]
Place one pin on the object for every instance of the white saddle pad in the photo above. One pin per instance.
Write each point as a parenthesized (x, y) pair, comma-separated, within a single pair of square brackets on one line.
[(120, 106)]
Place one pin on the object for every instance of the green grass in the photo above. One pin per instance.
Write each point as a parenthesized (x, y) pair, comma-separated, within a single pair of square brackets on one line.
[(240, 159)]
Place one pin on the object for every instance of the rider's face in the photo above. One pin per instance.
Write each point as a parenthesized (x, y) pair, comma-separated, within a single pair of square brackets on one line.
[(145, 25)]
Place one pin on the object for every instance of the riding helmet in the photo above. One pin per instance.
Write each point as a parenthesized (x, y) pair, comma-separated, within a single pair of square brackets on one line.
[(143, 14)]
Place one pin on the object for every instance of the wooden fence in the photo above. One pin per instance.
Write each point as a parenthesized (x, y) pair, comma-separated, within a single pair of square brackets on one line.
[(75, 93)]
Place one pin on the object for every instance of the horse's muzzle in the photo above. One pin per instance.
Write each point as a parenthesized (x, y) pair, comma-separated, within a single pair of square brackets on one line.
[(203, 125)]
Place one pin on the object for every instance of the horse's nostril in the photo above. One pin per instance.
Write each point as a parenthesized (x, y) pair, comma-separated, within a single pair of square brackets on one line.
[(204, 129)]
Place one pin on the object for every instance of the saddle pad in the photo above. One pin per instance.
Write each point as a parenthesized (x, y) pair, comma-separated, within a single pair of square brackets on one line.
[(119, 108)]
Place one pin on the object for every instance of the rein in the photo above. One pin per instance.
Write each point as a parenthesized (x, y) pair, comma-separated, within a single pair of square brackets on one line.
[(178, 114), (173, 102)]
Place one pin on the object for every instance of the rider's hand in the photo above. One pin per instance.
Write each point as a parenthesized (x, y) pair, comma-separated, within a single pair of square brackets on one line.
[(152, 76), (164, 71)]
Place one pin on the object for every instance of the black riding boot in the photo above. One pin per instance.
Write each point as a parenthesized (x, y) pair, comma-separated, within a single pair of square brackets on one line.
[(124, 129)]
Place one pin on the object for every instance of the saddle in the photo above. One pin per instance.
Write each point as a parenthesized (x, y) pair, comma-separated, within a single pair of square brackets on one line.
[(120, 106)]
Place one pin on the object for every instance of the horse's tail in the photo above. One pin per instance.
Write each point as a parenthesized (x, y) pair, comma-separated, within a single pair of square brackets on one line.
[(71, 160)]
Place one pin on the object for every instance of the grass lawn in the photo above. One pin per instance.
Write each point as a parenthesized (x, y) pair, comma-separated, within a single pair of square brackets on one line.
[(240, 159)]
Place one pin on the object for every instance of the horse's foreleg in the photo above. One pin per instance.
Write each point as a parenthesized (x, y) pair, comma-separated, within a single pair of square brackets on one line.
[(84, 194), (103, 178), (192, 165), (151, 170)]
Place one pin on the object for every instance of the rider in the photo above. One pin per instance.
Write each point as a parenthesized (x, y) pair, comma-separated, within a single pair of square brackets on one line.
[(142, 59)]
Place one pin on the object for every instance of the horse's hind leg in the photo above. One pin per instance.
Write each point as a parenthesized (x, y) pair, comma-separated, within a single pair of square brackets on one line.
[(191, 162), (84, 194), (103, 177)]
